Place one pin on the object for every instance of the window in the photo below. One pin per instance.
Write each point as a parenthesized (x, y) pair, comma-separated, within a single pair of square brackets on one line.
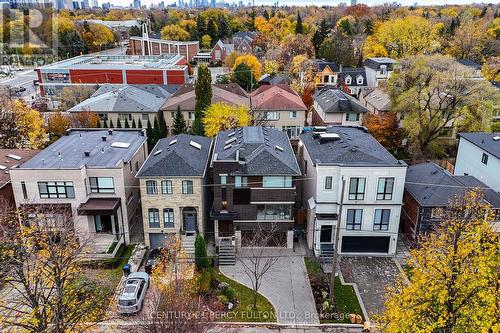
[(385, 188), (354, 217), (291, 131), (168, 217), (102, 185), (381, 219), (326, 234), (154, 218), (187, 187), (136, 166), (328, 182), (125, 116), (223, 180), (240, 181), (191, 115), (103, 116), (151, 187), (348, 80), (56, 190), (277, 181), (145, 117), (352, 116), (383, 70), (357, 189), (484, 159), (130, 166), (292, 114), (273, 115), (274, 212), (166, 187), (25, 193), (359, 80), (326, 78), (217, 55)]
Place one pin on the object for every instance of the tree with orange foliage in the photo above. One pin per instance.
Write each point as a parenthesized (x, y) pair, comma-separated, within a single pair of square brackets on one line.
[(384, 127), (85, 119)]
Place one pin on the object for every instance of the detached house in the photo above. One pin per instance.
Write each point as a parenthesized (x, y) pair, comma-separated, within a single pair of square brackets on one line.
[(173, 188), (253, 172), (378, 69), (217, 54), (375, 100), (369, 212), (327, 73), (352, 80), (243, 41), (332, 106), (279, 106), (89, 174)]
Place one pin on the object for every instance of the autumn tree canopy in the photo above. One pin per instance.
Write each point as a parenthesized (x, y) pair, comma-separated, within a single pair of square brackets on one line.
[(221, 117)]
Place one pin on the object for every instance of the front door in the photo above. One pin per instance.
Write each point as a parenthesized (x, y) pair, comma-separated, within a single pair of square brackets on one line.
[(189, 220), (103, 224), (226, 228)]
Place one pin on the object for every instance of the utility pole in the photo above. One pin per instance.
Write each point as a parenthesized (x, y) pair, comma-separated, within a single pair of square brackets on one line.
[(336, 244)]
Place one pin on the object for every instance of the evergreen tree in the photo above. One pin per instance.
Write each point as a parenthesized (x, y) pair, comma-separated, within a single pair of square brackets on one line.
[(98, 124), (156, 131), (163, 130), (139, 123), (299, 29), (127, 125), (133, 123), (266, 15), (201, 28), (203, 92), (179, 126), (104, 124), (320, 35), (251, 20), (118, 123), (243, 76), (200, 253), (149, 134), (224, 29), (111, 125), (212, 30)]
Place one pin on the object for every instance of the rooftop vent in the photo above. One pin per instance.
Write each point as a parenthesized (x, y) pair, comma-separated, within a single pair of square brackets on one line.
[(2, 167), (15, 157), (86, 153), (173, 142), (103, 138), (328, 137), (110, 132), (496, 138), (157, 152), (120, 144), (195, 144)]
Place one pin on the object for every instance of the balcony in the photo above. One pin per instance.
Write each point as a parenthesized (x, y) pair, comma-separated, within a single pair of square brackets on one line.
[(274, 212)]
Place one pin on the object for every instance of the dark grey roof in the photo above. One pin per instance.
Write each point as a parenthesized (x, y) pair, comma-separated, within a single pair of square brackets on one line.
[(485, 141), (141, 98), (265, 151), (322, 63), (177, 159), (69, 151), (432, 186), (332, 99), (275, 79), (470, 63), (353, 73), (374, 63), (354, 148)]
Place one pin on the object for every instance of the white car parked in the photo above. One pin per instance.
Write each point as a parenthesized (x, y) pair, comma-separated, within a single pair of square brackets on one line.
[(133, 293)]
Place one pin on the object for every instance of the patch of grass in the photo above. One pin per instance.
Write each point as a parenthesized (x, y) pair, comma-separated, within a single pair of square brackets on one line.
[(346, 300), (313, 266), (111, 270), (244, 311)]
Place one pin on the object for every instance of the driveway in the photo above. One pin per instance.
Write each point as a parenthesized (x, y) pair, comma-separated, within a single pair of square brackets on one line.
[(285, 285), (372, 275)]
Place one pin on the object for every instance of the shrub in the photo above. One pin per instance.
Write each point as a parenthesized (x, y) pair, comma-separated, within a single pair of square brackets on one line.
[(223, 299), (200, 253), (229, 292), (205, 281)]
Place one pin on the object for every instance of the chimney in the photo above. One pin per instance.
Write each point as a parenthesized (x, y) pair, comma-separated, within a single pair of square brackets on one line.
[(103, 138), (110, 132), (87, 153)]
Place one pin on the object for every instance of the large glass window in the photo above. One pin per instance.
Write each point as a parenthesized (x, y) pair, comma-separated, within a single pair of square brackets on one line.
[(168, 217), (328, 182), (240, 181), (151, 187), (354, 217), (102, 185), (274, 212), (154, 218), (352, 116), (277, 181), (187, 187), (357, 189), (56, 190), (381, 219), (385, 188), (271, 115), (166, 187)]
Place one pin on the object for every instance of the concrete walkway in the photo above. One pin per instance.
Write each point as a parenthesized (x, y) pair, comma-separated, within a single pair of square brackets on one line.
[(285, 285)]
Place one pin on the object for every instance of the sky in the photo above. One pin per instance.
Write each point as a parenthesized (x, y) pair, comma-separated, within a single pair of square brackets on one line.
[(312, 2)]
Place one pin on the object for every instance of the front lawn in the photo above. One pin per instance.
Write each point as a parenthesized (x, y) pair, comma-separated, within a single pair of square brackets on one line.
[(346, 301)]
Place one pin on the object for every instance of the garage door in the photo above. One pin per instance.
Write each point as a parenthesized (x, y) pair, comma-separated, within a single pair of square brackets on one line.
[(371, 244), (157, 240)]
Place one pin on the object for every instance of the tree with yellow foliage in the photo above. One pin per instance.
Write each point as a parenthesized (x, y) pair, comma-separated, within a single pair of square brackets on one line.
[(57, 125), (402, 37), (469, 41), (271, 66), (252, 62), (206, 41), (230, 59), (174, 32), (29, 123), (491, 69), (454, 284), (221, 116)]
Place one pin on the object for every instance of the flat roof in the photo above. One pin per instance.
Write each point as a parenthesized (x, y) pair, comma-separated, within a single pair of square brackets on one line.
[(117, 61)]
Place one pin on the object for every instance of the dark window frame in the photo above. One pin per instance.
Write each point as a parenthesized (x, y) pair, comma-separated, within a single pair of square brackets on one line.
[(187, 187), (170, 215), (383, 223), (328, 182), (96, 188), (151, 187), (484, 159), (354, 190), (59, 193), (351, 224), (385, 194), (155, 213), (166, 187)]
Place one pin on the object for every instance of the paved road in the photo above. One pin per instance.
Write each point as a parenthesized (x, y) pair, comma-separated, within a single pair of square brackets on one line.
[(285, 285), (22, 79)]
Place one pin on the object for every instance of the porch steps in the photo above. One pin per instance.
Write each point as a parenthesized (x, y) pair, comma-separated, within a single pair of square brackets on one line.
[(188, 246), (227, 254)]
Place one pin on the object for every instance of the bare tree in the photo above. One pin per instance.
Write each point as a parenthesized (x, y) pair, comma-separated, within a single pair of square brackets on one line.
[(256, 259)]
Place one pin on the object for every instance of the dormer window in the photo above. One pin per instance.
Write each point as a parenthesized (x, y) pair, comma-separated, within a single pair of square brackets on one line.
[(348, 80), (383, 69), (359, 80)]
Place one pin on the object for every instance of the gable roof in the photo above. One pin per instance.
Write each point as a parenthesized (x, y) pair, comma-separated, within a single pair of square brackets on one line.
[(260, 151), (12, 158), (353, 73), (274, 79), (277, 97), (185, 97), (141, 98), (322, 64), (376, 62), (485, 141), (432, 186), (332, 99), (355, 147), (377, 98), (226, 47), (177, 157)]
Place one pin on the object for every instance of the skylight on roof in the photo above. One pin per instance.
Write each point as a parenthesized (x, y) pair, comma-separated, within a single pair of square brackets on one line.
[(15, 157), (278, 148), (157, 152), (120, 144), (230, 141), (231, 134), (496, 138), (195, 144), (226, 147), (173, 142)]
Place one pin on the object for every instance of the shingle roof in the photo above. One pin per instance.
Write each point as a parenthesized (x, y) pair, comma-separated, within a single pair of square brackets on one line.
[(375, 62), (322, 64), (141, 98), (333, 99), (353, 73), (432, 186), (264, 151), (12, 158), (354, 148), (177, 157), (277, 97), (274, 79), (185, 97), (69, 151), (485, 141), (377, 98)]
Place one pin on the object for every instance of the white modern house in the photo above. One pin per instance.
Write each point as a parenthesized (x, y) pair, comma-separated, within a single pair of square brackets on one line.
[(479, 156), (378, 69), (373, 192)]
